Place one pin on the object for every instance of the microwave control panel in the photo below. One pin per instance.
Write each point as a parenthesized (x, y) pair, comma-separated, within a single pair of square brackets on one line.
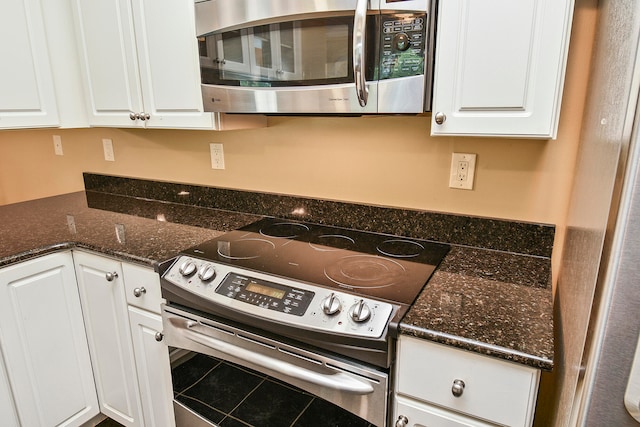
[(402, 45)]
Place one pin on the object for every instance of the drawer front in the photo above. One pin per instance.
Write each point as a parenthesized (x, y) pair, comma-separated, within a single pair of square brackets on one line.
[(493, 390), (142, 287), (419, 414)]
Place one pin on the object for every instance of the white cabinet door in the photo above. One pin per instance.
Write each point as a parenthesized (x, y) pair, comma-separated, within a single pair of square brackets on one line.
[(109, 60), (27, 94), (154, 370), (44, 344), (499, 67), (107, 321), (169, 64), (140, 57), (8, 414)]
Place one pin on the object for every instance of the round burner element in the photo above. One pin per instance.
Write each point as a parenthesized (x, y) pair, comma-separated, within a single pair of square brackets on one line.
[(287, 230), (365, 271), (331, 242), (244, 248), (399, 248)]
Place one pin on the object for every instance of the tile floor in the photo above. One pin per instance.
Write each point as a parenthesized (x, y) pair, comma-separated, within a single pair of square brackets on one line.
[(231, 396)]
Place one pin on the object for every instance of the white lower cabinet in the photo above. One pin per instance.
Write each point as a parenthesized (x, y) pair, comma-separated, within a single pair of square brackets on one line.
[(101, 285), (152, 363), (437, 385), (152, 355), (48, 377), (131, 366), (8, 414)]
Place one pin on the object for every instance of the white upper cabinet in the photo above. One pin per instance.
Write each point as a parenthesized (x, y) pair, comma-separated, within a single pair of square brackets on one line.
[(140, 63), (27, 94), (499, 67), (39, 75)]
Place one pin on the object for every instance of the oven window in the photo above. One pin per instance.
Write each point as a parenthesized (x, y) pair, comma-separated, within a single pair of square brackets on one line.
[(304, 52), (226, 394)]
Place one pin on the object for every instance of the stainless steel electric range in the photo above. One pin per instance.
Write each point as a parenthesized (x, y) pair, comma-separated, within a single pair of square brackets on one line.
[(314, 306)]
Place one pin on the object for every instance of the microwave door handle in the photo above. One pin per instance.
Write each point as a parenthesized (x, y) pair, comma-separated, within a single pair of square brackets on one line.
[(359, 42)]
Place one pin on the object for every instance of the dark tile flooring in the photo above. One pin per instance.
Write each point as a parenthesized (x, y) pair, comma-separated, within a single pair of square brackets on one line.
[(230, 396)]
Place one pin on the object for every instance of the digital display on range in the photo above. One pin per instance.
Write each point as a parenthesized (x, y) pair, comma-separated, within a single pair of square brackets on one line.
[(265, 290), (266, 294)]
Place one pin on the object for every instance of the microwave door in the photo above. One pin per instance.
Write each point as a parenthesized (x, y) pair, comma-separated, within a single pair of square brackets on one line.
[(308, 65)]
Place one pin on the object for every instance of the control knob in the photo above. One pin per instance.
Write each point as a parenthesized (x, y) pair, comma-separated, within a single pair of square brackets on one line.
[(360, 312), (206, 273), (331, 304), (401, 42), (187, 268)]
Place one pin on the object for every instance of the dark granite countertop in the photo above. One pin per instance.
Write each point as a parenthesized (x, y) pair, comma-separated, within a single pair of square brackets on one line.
[(144, 236), (491, 294)]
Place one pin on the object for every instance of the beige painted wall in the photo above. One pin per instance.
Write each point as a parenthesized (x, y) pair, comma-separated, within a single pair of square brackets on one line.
[(382, 160)]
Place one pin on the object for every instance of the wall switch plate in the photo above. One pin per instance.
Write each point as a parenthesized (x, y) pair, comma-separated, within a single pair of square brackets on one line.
[(463, 167), (107, 146), (217, 156), (57, 145)]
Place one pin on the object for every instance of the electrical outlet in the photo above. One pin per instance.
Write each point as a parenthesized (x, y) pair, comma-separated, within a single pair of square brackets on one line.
[(463, 168), (107, 146), (217, 156), (57, 145)]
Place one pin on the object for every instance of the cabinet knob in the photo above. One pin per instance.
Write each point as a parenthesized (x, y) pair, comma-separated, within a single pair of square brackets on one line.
[(457, 388), (402, 421), (111, 276), (138, 292), (144, 116), (440, 118), (133, 116), (159, 336)]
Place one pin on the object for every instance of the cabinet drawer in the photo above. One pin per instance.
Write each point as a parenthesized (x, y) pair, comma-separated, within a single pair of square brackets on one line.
[(494, 390), (142, 287), (419, 414)]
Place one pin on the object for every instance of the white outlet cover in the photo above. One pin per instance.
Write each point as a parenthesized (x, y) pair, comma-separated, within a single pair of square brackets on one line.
[(217, 156), (107, 146), (454, 181), (57, 145)]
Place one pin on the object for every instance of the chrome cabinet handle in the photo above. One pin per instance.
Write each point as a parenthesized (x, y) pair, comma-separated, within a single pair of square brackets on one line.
[(140, 116), (159, 336), (402, 421), (138, 292), (359, 60), (457, 388), (440, 118), (111, 276)]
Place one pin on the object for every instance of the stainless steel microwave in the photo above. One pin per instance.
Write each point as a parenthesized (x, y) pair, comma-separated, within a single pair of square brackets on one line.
[(316, 57)]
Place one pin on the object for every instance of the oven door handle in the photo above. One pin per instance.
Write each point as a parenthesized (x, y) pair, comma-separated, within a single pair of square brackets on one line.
[(337, 381)]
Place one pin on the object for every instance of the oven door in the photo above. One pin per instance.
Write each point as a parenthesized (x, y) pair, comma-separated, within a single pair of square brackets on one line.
[(359, 389), (302, 57)]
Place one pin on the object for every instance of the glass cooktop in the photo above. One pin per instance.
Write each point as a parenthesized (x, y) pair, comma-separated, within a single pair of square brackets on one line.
[(377, 265)]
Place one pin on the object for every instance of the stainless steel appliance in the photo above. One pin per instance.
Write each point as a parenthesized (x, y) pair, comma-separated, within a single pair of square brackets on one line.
[(309, 57), (313, 306)]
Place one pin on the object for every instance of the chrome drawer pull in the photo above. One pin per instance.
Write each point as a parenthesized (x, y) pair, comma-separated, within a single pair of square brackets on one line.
[(457, 388)]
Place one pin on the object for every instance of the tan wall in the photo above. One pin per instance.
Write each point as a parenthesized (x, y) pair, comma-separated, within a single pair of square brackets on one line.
[(388, 160)]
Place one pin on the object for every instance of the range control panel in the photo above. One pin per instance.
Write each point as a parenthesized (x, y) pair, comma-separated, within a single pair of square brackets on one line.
[(263, 293), (279, 299)]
